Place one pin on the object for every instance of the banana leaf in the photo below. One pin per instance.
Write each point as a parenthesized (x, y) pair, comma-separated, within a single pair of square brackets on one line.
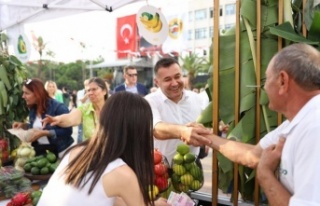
[(244, 131), (286, 31), (314, 32)]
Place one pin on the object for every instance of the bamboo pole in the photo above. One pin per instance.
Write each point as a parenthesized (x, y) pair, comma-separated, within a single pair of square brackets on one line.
[(215, 96), (237, 100), (280, 42), (258, 79), (304, 28)]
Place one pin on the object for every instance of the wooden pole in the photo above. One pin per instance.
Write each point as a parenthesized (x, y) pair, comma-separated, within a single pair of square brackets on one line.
[(258, 79), (237, 100), (215, 95)]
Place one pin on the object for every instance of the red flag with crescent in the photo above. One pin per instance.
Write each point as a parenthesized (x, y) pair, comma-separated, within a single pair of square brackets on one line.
[(126, 35)]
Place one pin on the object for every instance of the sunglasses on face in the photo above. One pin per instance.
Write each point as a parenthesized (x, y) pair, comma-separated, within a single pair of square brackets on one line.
[(132, 75)]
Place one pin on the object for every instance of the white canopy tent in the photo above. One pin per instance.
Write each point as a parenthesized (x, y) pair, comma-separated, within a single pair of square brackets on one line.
[(13, 12), (19, 19)]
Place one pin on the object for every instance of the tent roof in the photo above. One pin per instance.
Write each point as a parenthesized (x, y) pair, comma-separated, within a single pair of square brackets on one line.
[(120, 63), (13, 12)]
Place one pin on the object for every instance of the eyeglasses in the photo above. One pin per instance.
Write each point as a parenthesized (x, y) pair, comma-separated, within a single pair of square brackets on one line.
[(28, 81), (132, 75)]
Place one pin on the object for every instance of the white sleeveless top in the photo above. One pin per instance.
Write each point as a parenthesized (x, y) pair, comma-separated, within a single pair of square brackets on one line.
[(56, 192)]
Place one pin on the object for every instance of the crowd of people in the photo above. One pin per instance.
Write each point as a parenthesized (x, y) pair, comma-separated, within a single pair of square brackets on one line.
[(109, 166)]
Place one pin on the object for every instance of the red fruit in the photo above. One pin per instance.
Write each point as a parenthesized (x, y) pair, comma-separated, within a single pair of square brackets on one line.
[(5, 156), (20, 199), (162, 183), (157, 157), (166, 175), (160, 169), (3, 145)]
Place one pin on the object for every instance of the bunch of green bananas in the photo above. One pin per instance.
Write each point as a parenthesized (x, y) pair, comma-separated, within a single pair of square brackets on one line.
[(150, 22)]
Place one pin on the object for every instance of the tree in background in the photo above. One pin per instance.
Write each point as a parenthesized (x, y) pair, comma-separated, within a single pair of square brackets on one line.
[(3, 43), (193, 64), (39, 45)]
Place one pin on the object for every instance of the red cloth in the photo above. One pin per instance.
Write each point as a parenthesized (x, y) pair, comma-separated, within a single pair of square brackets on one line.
[(126, 35)]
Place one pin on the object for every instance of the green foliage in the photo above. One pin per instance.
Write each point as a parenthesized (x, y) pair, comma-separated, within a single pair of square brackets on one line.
[(244, 131), (70, 75), (194, 64), (12, 106)]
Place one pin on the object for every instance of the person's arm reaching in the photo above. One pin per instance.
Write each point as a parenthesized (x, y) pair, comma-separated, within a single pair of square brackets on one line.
[(241, 153), (73, 118), (192, 135)]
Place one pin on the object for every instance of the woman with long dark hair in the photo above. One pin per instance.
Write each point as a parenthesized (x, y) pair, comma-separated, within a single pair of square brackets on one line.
[(116, 162), (48, 137)]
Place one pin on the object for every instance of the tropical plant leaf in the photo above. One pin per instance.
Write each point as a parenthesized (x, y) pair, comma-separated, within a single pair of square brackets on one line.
[(286, 31), (205, 117), (314, 32), (245, 129), (309, 11), (246, 11)]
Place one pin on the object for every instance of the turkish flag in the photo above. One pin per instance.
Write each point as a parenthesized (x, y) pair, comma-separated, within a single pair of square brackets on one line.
[(126, 35)]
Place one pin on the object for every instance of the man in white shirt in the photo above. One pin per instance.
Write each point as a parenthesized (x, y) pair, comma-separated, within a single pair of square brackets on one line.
[(293, 87), (174, 109)]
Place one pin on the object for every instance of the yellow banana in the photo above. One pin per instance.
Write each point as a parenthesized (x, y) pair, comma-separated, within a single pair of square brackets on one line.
[(157, 28), (152, 23)]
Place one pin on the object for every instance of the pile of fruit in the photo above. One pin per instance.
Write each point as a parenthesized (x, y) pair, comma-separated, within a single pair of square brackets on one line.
[(161, 166), (25, 198), (24, 152), (12, 182), (187, 171), (41, 164), (4, 150)]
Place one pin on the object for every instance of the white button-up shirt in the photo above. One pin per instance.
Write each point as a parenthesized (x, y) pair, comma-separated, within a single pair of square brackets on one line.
[(164, 110), (300, 160)]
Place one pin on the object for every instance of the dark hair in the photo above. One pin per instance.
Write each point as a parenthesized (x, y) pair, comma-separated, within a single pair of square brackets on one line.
[(101, 83), (36, 86), (302, 63), (164, 63), (125, 132), (126, 68)]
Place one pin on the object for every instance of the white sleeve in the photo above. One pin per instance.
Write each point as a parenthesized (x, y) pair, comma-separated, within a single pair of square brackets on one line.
[(273, 136)]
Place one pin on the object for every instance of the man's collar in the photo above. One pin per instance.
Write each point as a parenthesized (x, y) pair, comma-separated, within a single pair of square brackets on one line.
[(164, 98), (126, 86)]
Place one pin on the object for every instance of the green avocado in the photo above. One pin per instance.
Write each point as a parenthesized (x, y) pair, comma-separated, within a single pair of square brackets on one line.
[(21, 45)]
